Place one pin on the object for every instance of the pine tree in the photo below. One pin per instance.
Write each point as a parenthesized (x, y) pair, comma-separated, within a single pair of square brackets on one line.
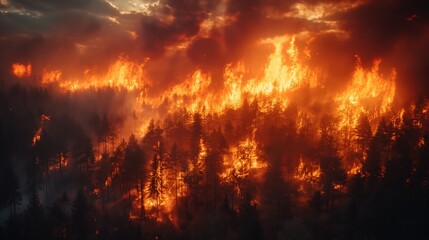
[(249, 223), (34, 223), (332, 172), (156, 181), (363, 136), (173, 163), (81, 217), (315, 203), (134, 170), (194, 175), (58, 220), (9, 184)]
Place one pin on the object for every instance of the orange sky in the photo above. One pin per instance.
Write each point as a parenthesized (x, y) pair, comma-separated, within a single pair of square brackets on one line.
[(173, 38)]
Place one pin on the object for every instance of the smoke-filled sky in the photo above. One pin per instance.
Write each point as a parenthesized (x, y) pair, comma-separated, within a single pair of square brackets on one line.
[(177, 36)]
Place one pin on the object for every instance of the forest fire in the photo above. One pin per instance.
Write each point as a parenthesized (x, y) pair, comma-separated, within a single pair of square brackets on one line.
[(21, 70), (214, 120), (368, 93), (63, 162), (37, 135), (283, 74), (122, 74), (242, 162)]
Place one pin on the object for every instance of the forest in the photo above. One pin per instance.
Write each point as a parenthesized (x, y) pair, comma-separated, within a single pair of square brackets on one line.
[(67, 172), (214, 119)]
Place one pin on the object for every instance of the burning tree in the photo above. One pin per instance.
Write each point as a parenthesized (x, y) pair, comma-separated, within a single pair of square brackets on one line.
[(209, 100), (156, 177), (134, 172)]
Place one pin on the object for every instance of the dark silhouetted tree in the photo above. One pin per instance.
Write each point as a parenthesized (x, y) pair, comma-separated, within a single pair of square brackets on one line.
[(316, 203), (134, 170), (248, 220), (363, 136), (34, 222), (194, 175), (332, 172), (371, 166), (58, 220), (174, 167), (9, 184), (81, 223), (216, 147), (12, 230)]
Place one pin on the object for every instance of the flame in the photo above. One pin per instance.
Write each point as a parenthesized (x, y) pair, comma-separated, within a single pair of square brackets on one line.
[(355, 169), (51, 76), (283, 74), (63, 162), (190, 93), (369, 92), (307, 175), (37, 135), (122, 74), (96, 192), (115, 172), (21, 70), (421, 142), (242, 162), (165, 204)]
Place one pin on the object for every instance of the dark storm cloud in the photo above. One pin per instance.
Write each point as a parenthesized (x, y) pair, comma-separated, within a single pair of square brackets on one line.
[(157, 32), (67, 23), (61, 34), (376, 26), (94, 6), (395, 31), (96, 32), (54, 17), (250, 23)]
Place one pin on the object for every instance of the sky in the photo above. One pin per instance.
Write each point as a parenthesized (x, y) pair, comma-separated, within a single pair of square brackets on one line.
[(177, 36)]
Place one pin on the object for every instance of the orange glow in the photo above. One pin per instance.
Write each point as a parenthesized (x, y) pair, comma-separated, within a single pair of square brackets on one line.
[(355, 169), (61, 163), (37, 135), (243, 161), (122, 74), (369, 92), (163, 207), (284, 75), (51, 76), (21, 70), (307, 176), (115, 172)]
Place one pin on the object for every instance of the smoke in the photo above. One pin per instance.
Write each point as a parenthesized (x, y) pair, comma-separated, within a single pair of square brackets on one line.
[(174, 38), (181, 36), (393, 31)]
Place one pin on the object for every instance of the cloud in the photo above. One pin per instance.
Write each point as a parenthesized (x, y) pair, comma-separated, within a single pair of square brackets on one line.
[(172, 22), (209, 34), (375, 26), (394, 31), (95, 6)]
